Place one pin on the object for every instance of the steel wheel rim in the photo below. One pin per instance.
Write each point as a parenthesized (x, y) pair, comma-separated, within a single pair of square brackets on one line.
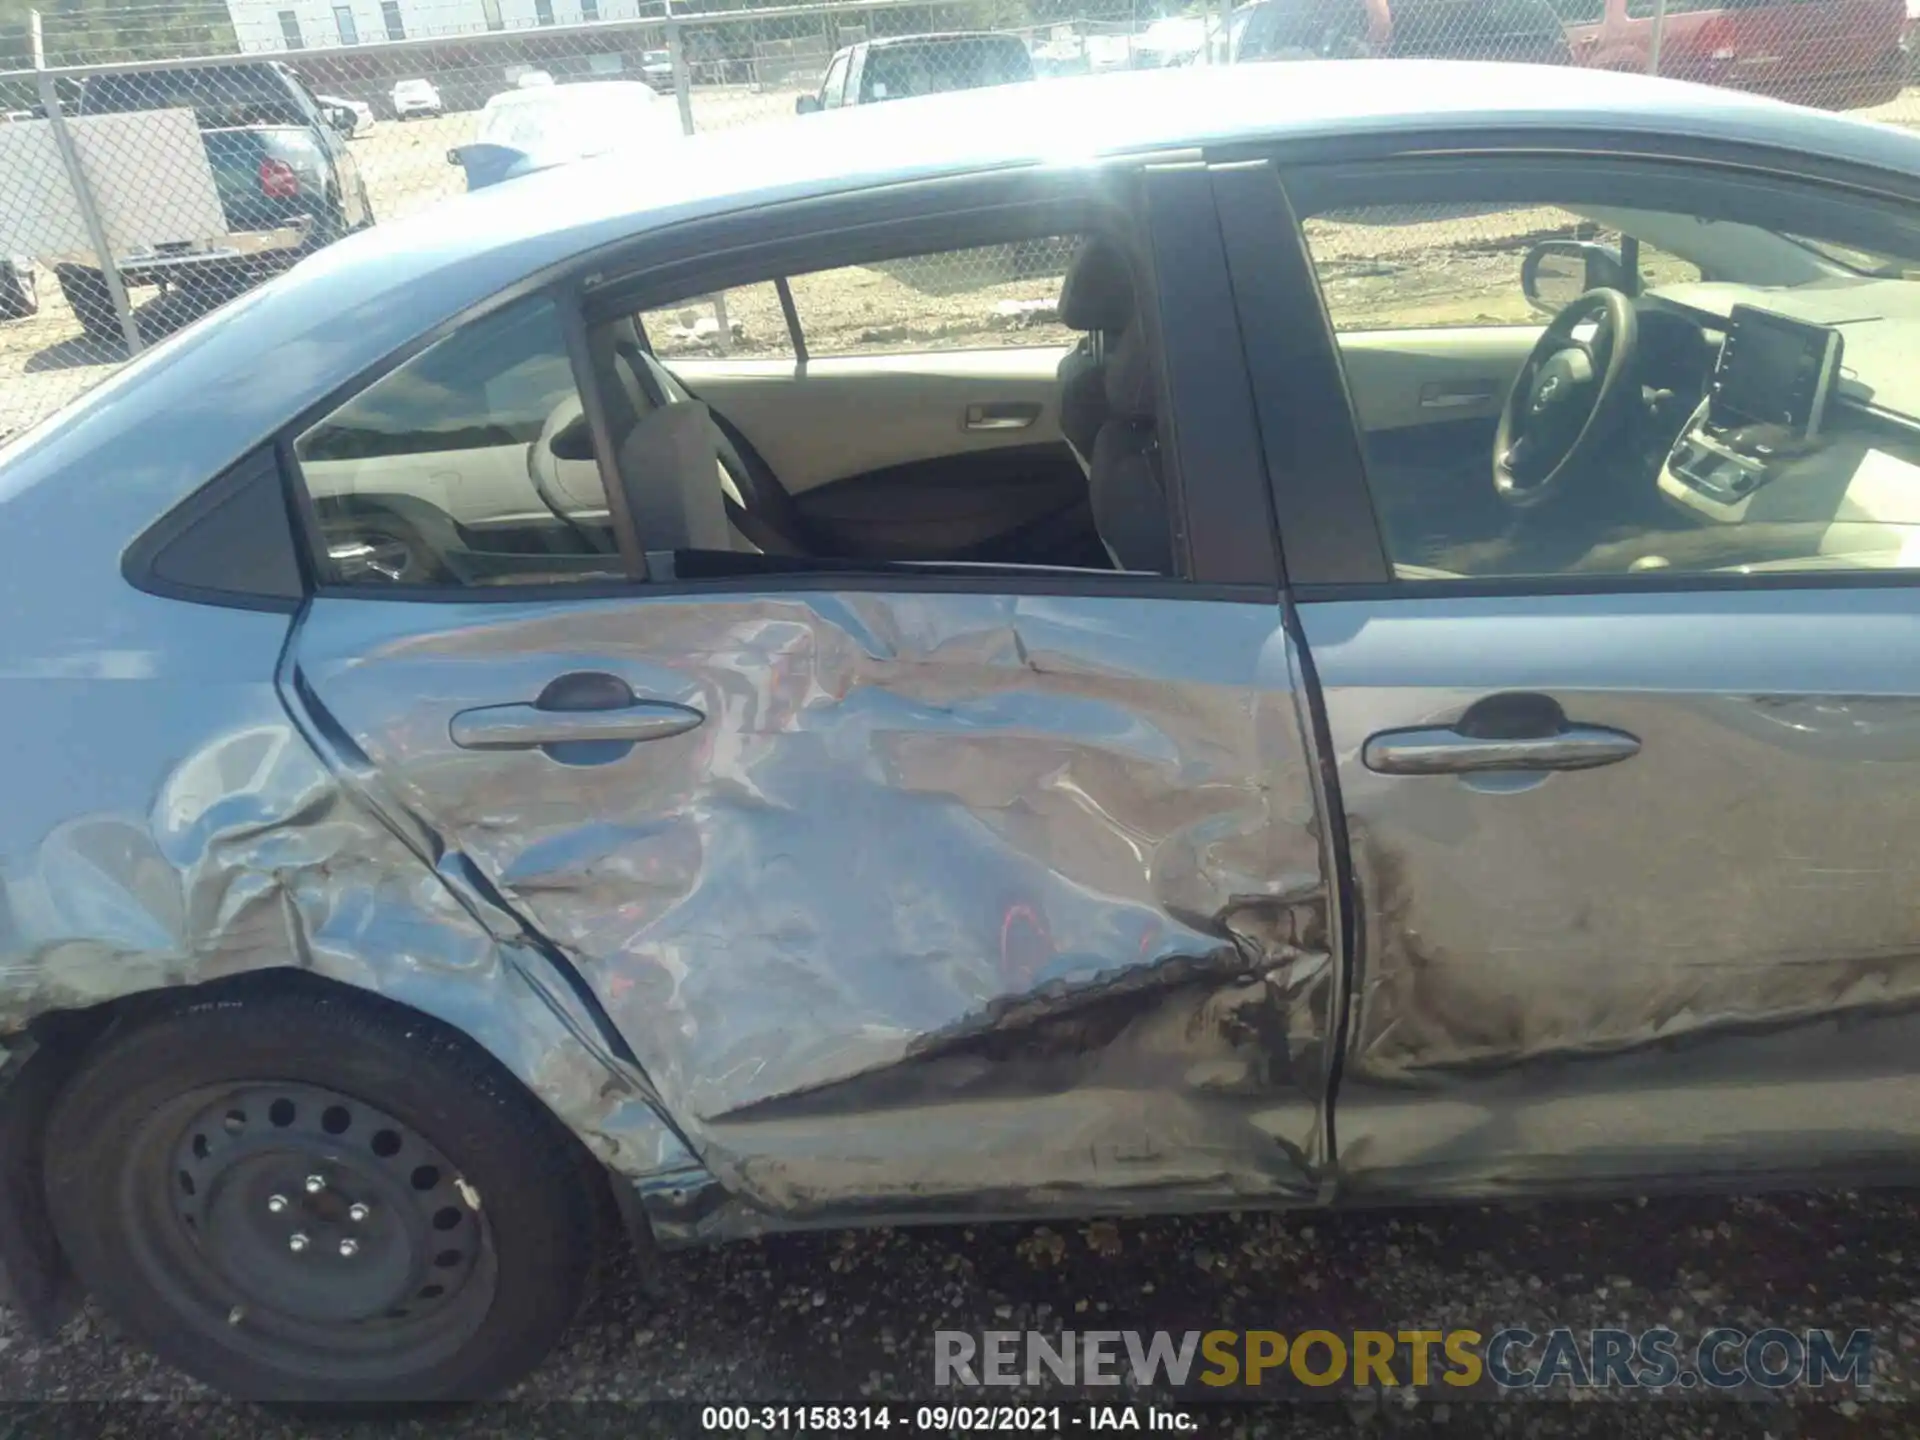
[(394, 1267)]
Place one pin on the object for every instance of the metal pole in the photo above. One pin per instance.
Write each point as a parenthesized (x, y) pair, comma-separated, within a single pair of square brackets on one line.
[(1226, 31), (1659, 26), (682, 83), (82, 190)]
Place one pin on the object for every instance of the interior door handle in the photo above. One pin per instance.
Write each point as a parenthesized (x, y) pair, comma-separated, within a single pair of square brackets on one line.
[(1448, 752), (1440, 395), (581, 708), (1005, 415)]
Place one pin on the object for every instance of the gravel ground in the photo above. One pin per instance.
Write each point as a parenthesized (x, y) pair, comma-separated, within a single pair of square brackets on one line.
[(849, 1317)]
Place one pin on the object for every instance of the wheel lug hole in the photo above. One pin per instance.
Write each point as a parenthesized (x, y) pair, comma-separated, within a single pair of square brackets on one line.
[(315, 1184), (276, 1204), (297, 1242), (358, 1212), (349, 1248)]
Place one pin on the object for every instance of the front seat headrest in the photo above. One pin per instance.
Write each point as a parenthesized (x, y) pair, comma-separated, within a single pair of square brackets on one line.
[(670, 463), (1097, 293)]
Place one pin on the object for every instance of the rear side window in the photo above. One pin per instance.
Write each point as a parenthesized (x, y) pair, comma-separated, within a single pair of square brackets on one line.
[(1474, 29), (1305, 29), (219, 96), (469, 465), (897, 72)]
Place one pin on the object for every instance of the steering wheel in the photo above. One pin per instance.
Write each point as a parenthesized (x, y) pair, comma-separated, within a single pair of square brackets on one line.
[(1558, 412)]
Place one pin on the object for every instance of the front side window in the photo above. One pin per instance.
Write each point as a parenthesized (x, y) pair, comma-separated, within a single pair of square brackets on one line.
[(469, 465), (1632, 373)]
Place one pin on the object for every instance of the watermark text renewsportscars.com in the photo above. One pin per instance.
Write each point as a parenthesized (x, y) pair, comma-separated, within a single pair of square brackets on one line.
[(1724, 1358)]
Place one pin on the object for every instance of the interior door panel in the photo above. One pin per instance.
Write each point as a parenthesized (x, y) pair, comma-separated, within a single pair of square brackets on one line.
[(957, 505), (1401, 379), (843, 416), (1429, 401)]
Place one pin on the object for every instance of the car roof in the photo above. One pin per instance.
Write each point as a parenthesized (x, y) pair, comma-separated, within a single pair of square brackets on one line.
[(889, 42), (206, 394)]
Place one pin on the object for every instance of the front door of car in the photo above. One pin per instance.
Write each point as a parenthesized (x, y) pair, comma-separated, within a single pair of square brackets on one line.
[(1628, 780), (911, 890)]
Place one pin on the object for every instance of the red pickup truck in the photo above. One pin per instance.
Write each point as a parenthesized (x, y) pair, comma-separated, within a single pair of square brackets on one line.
[(1840, 54)]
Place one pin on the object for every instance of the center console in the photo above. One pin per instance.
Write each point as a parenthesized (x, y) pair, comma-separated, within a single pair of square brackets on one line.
[(1763, 410)]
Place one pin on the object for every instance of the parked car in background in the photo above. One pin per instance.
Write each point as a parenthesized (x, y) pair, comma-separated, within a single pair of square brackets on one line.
[(287, 183), (903, 66), (1835, 53), (537, 127), (656, 68), (358, 111), (413, 99), (1517, 30), (19, 287), (1178, 40)]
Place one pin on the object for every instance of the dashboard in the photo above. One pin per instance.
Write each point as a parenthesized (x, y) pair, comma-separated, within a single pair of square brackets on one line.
[(1773, 421)]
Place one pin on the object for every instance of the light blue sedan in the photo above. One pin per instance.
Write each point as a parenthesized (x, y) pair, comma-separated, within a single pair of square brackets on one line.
[(659, 703)]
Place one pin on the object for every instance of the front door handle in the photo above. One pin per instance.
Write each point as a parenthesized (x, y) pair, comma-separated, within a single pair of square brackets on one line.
[(586, 708), (1448, 752)]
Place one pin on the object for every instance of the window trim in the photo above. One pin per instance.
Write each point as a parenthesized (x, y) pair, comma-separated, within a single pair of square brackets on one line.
[(1360, 577)]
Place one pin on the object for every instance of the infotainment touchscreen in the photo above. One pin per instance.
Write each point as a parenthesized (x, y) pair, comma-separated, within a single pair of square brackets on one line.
[(1773, 371)]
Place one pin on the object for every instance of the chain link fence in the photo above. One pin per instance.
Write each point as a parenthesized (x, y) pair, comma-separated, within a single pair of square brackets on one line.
[(144, 181)]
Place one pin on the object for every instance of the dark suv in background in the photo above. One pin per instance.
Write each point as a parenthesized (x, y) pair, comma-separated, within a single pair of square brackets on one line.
[(286, 180), (907, 65), (1522, 30)]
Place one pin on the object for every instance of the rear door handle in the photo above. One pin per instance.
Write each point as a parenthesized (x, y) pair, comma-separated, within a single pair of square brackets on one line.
[(1448, 752), (1002, 415), (585, 707), (528, 727)]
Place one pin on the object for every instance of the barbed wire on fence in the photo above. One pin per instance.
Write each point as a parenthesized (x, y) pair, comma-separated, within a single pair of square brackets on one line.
[(164, 155)]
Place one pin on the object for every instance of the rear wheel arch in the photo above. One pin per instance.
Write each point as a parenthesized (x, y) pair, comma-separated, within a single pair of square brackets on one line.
[(57, 1048)]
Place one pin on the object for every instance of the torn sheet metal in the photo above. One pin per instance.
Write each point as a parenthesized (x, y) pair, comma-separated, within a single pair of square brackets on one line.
[(1704, 959), (952, 902)]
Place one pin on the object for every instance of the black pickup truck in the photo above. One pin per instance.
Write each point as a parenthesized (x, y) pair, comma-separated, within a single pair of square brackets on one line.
[(287, 182)]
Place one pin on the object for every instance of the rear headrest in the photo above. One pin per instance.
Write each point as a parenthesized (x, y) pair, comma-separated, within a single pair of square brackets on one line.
[(1130, 393), (1097, 293)]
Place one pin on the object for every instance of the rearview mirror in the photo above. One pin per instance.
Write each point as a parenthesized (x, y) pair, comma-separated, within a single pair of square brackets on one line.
[(342, 119), (807, 105), (1558, 272)]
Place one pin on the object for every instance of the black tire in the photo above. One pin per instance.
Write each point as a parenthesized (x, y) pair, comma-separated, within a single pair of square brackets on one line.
[(235, 1310), (91, 302)]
